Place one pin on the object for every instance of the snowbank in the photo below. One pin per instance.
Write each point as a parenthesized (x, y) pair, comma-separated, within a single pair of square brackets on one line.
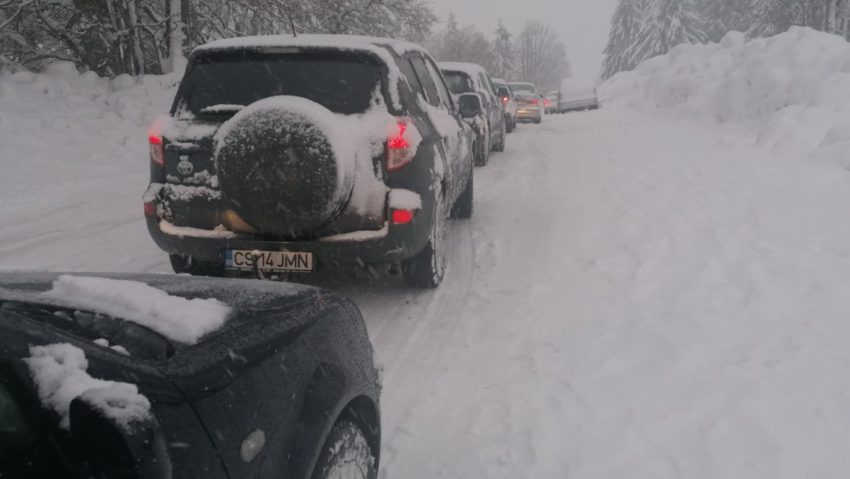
[(59, 372), (794, 88), (69, 139), (178, 318)]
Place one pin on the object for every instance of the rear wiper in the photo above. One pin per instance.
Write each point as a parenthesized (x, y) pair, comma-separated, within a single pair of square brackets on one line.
[(221, 109)]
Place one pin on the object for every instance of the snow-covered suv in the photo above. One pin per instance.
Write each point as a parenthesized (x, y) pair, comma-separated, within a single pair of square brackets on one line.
[(293, 154), (471, 78)]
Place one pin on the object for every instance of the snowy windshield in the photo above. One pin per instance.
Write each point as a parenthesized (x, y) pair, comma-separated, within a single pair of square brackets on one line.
[(336, 81), (522, 87)]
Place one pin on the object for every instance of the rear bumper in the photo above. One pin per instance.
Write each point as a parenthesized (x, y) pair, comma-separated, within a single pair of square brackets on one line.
[(389, 245), (529, 114)]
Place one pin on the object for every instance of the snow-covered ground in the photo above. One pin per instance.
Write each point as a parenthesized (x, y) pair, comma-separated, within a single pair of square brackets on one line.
[(643, 292)]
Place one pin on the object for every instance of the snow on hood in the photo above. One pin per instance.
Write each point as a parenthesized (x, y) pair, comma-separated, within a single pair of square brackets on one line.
[(60, 375), (794, 87), (179, 319)]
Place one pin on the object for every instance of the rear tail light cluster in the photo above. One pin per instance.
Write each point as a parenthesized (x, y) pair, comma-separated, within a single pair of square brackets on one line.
[(535, 102), (400, 148), (505, 99), (157, 151), (150, 210), (402, 217)]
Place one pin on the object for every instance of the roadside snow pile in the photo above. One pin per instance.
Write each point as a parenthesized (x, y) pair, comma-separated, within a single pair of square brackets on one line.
[(178, 318), (793, 87), (59, 372), (70, 125)]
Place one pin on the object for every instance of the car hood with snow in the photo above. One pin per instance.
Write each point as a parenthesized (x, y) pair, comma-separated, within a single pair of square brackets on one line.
[(174, 356)]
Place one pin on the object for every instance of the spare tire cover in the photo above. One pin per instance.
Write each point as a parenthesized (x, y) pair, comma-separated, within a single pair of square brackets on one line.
[(283, 165)]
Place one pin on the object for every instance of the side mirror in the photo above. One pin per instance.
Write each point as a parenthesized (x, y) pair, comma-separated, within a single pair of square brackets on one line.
[(470, 105), (135, 451)]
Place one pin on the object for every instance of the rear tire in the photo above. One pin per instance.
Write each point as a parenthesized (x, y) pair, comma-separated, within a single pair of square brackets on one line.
[(463, 207), (188, 265), (483, 155), (509, 125), (500, 146), (346, 454), (427, 268)]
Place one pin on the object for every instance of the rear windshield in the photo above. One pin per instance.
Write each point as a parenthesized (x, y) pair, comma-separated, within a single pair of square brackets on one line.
[(517, 87), (342, 82), (459, 82)]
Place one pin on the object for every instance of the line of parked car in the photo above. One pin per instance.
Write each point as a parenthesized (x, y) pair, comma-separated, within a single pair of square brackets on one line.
[(280, 156), (339, 151)]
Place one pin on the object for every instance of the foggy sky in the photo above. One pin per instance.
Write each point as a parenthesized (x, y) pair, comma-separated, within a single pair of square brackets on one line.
[(582, 24)]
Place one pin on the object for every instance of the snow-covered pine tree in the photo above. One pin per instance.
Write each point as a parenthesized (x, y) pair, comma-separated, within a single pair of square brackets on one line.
[(462, 44), (720, 17), (667, 23), (625, 28), (503, 51)]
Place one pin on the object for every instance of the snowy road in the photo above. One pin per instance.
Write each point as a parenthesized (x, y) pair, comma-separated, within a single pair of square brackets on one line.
[(634, 297)]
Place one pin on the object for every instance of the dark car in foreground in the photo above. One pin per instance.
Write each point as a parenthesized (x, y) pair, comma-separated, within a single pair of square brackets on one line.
[(284, 155), (285, 387)]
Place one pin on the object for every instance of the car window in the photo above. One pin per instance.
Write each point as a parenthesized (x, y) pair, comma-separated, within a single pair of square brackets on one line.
[(342, 83), (428, 85), (445, 96), (458, 82)]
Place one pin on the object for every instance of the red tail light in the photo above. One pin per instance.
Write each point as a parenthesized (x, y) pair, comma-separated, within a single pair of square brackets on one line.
[(157, 151), (505, 99), (400, 152), (402, 217), (150, 210), (535, 101)]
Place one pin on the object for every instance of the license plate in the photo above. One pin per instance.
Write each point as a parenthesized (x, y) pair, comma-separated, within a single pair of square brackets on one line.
[(274, 261)]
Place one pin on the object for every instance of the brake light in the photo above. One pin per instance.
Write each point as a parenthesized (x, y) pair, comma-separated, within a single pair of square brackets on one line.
[(505, 99), (535, 101), (402, 217), (157, 152), (400, 150), (150, 210)]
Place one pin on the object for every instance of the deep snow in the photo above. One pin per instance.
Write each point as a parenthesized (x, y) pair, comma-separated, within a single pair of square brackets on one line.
[(643, 292)]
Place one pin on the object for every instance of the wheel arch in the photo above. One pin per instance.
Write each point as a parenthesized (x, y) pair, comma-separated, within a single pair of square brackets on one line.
[(330, 397)]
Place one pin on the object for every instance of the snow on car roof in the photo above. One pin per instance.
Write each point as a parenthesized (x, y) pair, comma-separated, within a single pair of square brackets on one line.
[(343, 42), (471, 69)]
